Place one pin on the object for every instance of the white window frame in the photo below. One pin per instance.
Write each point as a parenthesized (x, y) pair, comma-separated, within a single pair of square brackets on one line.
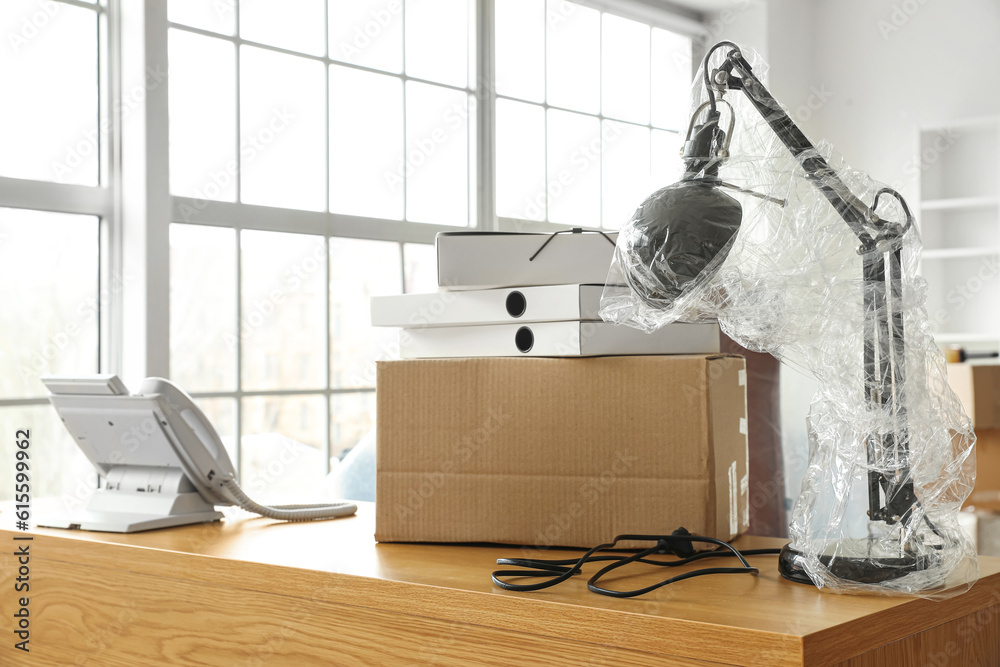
[(650, 12), (135, 207), (101, 200)]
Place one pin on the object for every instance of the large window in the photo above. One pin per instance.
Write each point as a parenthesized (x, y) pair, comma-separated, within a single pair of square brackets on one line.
[(315, 149), (55, 204), (269, 329), (357, 108), (350, 110), (587, 113)]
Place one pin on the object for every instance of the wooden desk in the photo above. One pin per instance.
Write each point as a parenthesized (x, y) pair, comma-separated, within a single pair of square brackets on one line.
[(260, 592)]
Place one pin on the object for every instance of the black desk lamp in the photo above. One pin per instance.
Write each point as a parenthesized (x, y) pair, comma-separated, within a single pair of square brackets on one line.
[(679, 239)]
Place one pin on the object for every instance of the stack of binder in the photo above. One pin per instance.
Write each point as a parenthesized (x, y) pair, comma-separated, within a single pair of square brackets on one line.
[(516, 294)]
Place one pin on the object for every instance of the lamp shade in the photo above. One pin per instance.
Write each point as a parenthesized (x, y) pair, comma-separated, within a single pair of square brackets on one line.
[(677, 239)]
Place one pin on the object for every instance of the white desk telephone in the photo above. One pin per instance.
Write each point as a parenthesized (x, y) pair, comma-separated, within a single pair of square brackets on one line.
[(162, 461)]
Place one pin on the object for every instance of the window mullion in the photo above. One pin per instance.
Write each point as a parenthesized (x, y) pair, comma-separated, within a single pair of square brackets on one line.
[(56, 197), (485, 117), (238, 427), (327, 359), (253, 216), (239, 111), (111, 322), (144, 242)]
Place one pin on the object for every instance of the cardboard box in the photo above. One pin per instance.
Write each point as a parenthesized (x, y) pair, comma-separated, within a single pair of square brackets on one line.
[(986, 494), (568, 452), (983, 528), (988, 533), (556, 339), (549, 303), (978, 385), (482, 260)]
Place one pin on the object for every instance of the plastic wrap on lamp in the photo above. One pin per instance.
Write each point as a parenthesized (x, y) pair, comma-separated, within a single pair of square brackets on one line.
[(791, 283), (681, 232)]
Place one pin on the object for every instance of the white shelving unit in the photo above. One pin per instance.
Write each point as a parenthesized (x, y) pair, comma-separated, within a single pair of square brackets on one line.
[(959, 220)]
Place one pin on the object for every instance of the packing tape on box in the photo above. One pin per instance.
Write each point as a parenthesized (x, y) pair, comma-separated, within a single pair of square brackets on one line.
[(745, 430), (734, 501)]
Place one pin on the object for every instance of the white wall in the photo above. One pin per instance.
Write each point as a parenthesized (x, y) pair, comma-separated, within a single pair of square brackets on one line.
[(894, 66), (885, 67)]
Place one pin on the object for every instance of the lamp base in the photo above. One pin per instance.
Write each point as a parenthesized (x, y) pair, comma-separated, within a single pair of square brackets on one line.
[(788, 565), (863, 568)]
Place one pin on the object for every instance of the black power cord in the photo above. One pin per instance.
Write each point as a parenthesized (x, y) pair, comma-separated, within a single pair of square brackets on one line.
[(678, 544)]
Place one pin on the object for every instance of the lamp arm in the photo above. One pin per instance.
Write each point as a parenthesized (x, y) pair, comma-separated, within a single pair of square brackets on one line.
[(884, 359), (854, 212)]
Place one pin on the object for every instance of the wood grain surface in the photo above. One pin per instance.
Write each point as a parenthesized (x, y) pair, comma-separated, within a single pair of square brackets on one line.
[(251, 591)]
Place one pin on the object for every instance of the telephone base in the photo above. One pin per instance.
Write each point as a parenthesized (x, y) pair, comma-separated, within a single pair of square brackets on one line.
[(126, 522), (149, 510)]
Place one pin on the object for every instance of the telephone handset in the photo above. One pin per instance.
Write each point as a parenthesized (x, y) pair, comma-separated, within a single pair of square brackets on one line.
[(162, 461)]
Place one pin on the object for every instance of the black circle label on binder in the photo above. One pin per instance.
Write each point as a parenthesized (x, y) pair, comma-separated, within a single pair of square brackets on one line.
[(516, 304), (524, 339)]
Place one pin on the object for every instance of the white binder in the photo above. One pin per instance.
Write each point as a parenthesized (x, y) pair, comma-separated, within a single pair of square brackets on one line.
[(556, 339), (483, 260), (551, 303)]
